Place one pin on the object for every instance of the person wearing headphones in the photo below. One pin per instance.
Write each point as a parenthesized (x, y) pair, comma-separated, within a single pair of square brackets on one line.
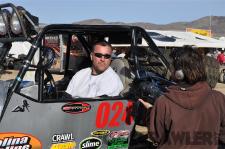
[(190, 114), (98, 80)]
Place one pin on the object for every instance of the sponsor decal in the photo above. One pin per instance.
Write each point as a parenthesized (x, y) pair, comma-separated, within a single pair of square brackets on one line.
[(76, 107), (65, 145), (63, 141), (121, 114), (98, 133), (19, 141), (62, 137), (202, 32), (120, 133), (118, 139), (90, 143)]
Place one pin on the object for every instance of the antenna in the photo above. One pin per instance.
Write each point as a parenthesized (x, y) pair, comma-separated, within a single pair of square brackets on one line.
[(210, 25), (210, 22)]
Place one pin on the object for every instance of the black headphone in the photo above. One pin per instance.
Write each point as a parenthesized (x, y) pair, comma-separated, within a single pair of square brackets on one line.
[(179, 74)]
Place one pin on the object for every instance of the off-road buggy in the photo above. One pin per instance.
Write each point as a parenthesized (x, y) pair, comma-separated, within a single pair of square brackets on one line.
[(39, 114), (35, 111), (11, 27)]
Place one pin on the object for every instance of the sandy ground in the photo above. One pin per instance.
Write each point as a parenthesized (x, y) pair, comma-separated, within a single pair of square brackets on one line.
[(220, 87), (8, 74), (11, 74)]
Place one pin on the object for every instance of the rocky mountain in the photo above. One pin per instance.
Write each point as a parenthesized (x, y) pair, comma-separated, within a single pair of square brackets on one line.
[(217, 24)]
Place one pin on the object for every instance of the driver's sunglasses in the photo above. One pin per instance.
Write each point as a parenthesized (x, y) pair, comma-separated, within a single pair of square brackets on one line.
[(100, 55)]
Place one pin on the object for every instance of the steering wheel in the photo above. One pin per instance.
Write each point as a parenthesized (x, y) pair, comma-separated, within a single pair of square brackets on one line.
[(144, 75), (149, 85)]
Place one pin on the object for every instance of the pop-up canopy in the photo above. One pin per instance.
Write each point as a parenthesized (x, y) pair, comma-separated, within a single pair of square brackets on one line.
[(180, 38)]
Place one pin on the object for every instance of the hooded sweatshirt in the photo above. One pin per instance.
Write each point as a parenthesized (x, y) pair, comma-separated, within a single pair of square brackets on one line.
[(188, 118)]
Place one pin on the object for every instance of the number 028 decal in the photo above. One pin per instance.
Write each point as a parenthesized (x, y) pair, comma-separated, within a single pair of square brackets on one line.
[(113, 114)]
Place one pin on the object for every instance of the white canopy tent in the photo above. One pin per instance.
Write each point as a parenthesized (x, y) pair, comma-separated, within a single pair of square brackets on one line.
[(20, 48), (179, 39)]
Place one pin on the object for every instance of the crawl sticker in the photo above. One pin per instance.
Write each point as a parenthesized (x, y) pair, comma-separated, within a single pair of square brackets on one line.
[(98, 133), (90, 143), (63, 141), (76, 107), (118, 139), (18, 141)]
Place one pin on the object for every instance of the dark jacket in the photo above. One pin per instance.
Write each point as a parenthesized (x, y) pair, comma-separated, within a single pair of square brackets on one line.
[(190, 118)]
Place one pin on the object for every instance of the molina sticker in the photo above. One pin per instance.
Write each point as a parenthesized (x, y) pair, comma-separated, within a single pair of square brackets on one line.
[(63, 141), (76, 107), (98, 133), (19, 140), (90, 143)]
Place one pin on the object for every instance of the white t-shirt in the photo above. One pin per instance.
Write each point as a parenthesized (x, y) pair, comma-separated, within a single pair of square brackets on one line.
[(83, 84)]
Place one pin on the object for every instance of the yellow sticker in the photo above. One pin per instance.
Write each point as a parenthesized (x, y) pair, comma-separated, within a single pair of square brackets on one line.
[(66, 145)]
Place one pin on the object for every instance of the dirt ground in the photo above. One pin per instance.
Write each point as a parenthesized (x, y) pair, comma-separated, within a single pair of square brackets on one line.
[(8, 74), (11, 74)]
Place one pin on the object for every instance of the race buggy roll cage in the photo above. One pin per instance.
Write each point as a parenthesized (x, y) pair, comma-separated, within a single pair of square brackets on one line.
[(27, 35), (65, 28)]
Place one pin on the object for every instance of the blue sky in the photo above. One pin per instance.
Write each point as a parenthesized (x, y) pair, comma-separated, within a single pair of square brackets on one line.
[(152, 11)]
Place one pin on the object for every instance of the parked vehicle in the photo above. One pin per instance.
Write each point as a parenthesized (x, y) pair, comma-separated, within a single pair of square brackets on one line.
[(39, 114), (17, 24)]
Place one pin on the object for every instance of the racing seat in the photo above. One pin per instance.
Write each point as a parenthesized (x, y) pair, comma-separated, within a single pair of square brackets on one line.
[(122, 68)]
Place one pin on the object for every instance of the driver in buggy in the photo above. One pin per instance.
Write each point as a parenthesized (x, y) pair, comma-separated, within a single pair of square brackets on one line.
[(98, 80)]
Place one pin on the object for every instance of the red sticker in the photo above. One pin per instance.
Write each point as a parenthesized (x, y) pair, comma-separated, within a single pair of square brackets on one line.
[(76, 107), (120, 114)]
